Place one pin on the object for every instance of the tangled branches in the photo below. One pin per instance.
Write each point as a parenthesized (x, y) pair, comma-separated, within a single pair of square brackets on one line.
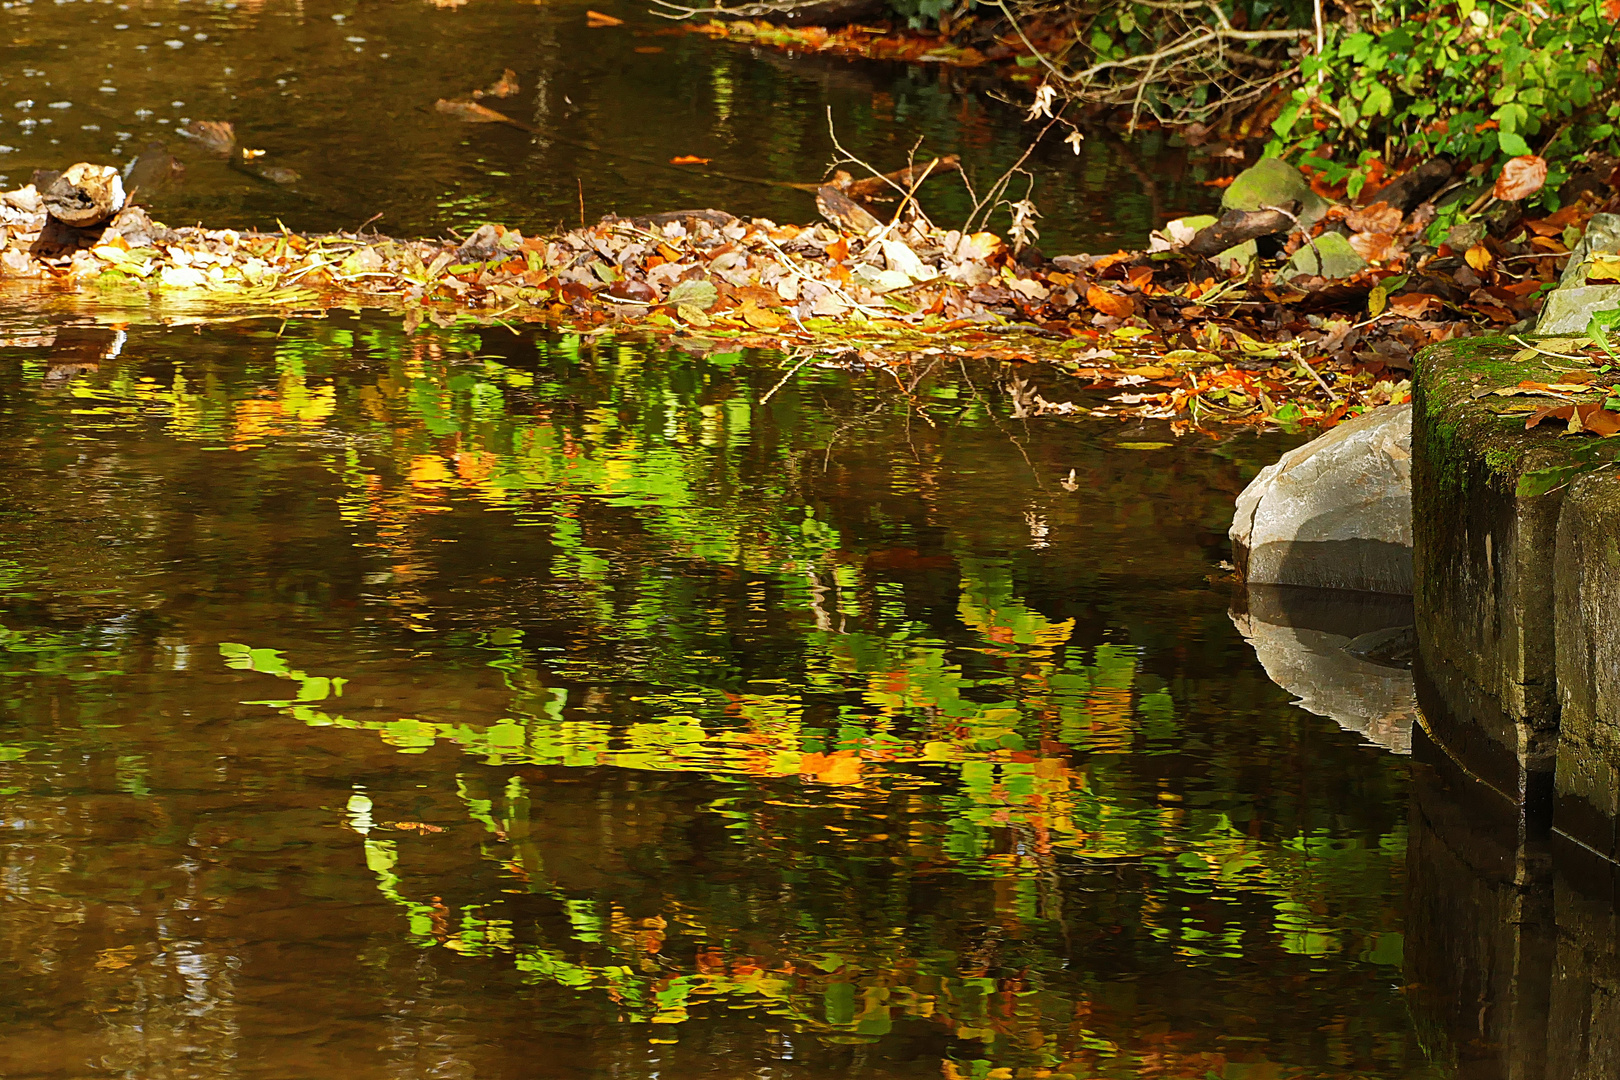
[(1178, 61)]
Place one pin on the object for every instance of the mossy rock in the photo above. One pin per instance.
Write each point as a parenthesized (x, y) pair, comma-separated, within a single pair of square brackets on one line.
[(1274, 182), (1338, 259)]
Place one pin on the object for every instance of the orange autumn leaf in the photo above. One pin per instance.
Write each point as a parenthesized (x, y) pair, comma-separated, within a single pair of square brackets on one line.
[(1478, 256), (1521, 177), (1108, 303), (759, 318), (597, 19), (1414, 305), (689, 159), (1380, 217)]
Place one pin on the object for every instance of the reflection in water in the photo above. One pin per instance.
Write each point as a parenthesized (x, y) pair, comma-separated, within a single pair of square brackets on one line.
[(475, 704), (1512, 943), (1346, 655)]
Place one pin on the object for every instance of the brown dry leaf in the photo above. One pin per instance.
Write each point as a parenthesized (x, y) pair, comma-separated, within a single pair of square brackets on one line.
[(1555, 412), (1478, 256), (471, 112), (1380, 217), (759, 318), (1598, 420), (1375, 247), (505, 86), (1521, 177), (415, 826), (1120, 307), (1139, 276), (597, 19), (1414, 305)]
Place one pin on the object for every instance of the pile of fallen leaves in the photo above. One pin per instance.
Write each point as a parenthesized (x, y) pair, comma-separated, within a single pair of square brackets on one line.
[(1148, 334)]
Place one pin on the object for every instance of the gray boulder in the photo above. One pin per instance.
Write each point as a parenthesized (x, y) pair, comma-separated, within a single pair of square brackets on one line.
[(1274, 182), (1571, 306), (1335, 513)]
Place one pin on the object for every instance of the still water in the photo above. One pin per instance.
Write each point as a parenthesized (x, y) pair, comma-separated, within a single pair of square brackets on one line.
[(343, 92), (491, 704), (479, 704)]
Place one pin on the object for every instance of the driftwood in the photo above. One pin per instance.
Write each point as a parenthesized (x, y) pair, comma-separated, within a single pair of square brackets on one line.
[(1412, 189), (843, 211), (783, 12), (873, 187), (1236, 226)]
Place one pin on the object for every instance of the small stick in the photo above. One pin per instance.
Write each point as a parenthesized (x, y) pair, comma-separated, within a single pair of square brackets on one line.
[(794, 371)]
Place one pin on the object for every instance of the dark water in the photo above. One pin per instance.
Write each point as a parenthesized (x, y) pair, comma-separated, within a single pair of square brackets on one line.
[(470, 704), (342, 91)]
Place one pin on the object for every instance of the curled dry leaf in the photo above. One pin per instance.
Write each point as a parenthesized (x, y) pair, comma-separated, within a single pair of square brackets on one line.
[(1521, 177), (597, 19), (689, 159), (1380, 217)]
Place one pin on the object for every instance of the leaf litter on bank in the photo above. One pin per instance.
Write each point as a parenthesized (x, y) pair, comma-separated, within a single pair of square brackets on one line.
[(1156, 334)]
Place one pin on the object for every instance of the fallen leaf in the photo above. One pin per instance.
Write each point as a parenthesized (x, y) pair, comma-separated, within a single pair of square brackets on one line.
[(1414, 305), (1380, 217), (1478, 256), (505, 86), (759, 318), (689, 159), (649, 49), (1374, 247), (1108, 303), (471, 112), (698, 294), (1598, 420), (1521, 177), (1603, 268), (597, 19)]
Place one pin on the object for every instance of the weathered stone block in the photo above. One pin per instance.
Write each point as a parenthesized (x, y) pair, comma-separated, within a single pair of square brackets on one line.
[(1483, 567), (1587, 610)]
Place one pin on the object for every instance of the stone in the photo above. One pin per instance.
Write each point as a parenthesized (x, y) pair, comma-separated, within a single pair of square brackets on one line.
[(1306, 640), (1335, 513), (1586, 614), (1338, 259), (1239, 257), (1568, 309), (1571, 306), (1274, 182)]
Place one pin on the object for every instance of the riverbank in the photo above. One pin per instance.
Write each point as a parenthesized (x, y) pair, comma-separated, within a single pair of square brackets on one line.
[(1158, 334)]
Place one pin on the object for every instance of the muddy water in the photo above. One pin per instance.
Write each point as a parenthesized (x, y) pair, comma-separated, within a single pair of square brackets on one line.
[(473, 704), (343, 92)]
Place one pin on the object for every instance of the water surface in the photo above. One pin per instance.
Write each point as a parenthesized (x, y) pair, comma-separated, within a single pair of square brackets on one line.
[(342, 91), (480, 704)]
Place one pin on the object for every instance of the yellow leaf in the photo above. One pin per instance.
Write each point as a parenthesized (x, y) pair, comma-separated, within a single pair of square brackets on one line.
[(1479, 257)]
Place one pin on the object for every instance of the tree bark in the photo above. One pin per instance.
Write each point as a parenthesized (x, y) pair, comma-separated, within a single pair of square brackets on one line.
[(1413, 189), (1236, 226), (843, 211)]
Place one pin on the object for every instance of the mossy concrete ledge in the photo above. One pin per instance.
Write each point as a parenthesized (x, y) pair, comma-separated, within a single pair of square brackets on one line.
[(1516, 597)]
